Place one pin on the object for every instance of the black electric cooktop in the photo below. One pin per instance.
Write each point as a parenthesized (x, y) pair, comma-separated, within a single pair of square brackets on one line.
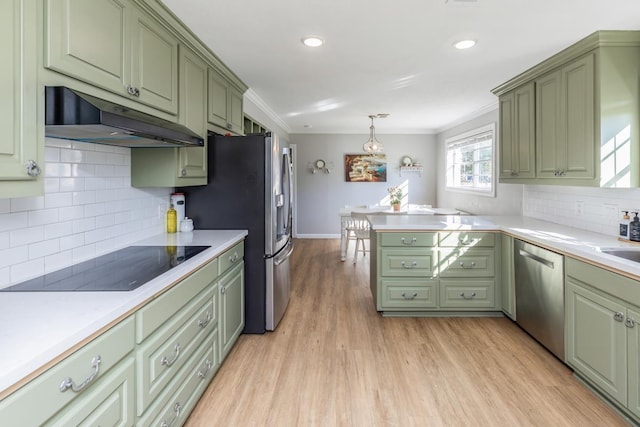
[(122, 270)]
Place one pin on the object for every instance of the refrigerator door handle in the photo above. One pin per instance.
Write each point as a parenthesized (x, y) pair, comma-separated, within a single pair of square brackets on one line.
[(286, 253), (279, 200)]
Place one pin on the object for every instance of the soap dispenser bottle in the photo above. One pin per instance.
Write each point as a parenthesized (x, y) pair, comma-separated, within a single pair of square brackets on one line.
[(624, 226), (172, 220), (634, 228)]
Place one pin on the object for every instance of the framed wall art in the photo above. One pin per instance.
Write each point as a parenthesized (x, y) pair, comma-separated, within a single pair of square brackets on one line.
[(365, 167)]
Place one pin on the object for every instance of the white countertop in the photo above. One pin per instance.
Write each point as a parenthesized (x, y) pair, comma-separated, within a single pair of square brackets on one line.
[(37, 327), (560, 238)]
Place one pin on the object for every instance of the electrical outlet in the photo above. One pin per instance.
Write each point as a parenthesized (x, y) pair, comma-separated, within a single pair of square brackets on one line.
[(579, 208), (611, 212)]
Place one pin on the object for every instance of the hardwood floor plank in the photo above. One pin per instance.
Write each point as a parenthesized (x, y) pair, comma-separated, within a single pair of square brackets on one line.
[(334, 361)]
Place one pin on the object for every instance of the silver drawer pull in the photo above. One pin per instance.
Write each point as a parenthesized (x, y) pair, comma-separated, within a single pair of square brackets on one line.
[(630, 322), (166, 362), (202, 374), (618, 317), (69, 384), (410, 242), (463, 295), (203, 323), (412, 296), (233, 258), (472, 265), (464, 241), (176, 410), (412, 265)]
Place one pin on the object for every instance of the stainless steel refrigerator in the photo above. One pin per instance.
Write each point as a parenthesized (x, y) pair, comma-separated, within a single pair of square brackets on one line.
[(249, 187)]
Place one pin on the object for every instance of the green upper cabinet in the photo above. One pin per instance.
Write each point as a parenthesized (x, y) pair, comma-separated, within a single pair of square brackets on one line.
[(22, 144), (517, 133), (565, 128), (225, 104), (113, 45), (586, 121)]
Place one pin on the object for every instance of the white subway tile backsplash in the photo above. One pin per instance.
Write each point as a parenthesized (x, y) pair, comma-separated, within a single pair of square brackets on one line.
[(44, 248), (27, 270), (24, 236), (89, 208), (558, 204), (43, 216), (22, 204)]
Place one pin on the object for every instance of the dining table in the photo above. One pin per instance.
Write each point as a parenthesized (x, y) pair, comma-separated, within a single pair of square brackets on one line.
[(345, 217)]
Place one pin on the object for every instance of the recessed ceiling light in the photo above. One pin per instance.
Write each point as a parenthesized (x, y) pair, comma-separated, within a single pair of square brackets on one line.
[(312, 41), (464, 44)]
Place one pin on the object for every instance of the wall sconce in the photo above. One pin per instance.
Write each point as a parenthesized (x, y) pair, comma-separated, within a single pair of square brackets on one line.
[(320, 165)]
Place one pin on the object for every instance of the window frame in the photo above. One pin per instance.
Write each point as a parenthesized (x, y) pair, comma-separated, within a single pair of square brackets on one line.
[(467, 138)]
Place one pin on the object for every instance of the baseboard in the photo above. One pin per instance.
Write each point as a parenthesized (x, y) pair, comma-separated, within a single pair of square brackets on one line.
[(317, 236)]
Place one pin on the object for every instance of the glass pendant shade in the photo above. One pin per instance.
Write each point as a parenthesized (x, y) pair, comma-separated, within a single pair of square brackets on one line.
[(372, 145)]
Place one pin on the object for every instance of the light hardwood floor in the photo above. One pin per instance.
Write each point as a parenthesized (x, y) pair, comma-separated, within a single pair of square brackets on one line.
[(334, 361)]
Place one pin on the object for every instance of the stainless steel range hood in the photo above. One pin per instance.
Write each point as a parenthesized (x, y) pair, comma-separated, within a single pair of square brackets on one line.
[(70, 114)]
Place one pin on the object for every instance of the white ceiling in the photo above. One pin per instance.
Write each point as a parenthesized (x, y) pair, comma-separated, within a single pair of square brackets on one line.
[(389, 56)]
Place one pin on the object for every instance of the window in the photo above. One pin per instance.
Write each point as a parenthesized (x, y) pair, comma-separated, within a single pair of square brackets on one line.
[(470, 162)]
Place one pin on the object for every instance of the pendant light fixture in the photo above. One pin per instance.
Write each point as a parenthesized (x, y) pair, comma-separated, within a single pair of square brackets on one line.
[(373, 145)]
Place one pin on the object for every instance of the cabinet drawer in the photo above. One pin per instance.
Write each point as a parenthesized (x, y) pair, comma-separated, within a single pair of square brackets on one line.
[(467, 263), (231, 257), (408, 263), (408, 239), (181, 395), (109, 403), (409, 294), (155, 314), (161, 356), (466, 238), (41, 398), (467, 294)]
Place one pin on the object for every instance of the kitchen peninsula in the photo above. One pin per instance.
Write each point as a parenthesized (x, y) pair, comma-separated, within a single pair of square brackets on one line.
[(464, 265)]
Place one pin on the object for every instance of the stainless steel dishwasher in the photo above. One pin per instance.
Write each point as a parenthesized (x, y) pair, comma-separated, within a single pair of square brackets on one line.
[(540, 294)]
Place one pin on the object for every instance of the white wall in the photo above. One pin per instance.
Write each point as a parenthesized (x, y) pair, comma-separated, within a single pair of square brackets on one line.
[(508, 200), (320, 196), (89, 208)]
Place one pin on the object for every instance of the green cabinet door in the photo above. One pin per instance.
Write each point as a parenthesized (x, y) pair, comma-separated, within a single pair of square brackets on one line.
[(113, 45), (633, 355), (517, 133), (154, 63), (225, 104), (89, 41), (22, 143), (231, 308), (597, 338), (565, 126)]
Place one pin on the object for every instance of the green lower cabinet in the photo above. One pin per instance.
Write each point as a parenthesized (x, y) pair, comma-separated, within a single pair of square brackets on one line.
[(602, 332), (507, 277), (109, 403), (231, 308), (408, 294), (467, 294), (597, 344), (415, 262)]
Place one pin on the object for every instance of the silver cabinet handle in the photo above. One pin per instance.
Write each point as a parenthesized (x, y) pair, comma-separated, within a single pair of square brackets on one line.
[(463, 295), (412, 265), (410, 297), (234, 258), (472, 265), (133, 91), (166, 362), (183, 172), (202, 374), (618, 317), (33, 169), (464, 242), (203, 323), (68, 383), (514, 174), (176, 410), (410, 242), (630, 322)]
